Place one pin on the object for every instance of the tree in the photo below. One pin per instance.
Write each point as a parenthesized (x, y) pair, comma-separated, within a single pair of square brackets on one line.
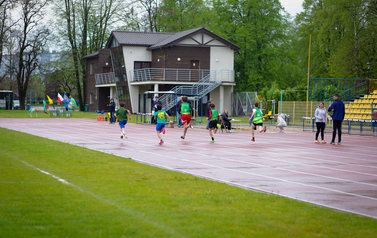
[(30, 39), (260, 29)]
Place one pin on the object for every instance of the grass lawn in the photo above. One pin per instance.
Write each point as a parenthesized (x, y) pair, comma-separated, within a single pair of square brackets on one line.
[(110, 196)]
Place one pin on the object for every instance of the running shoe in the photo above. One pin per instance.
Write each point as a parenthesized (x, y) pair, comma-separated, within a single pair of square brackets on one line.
[(125, 136), (161, 142), (163, 130), (339, 143), (182, 137), (264, 129), (212, 141), (323, 142), (252, 139), (121, 136), (317, 141), (332, 143), (191, 126)]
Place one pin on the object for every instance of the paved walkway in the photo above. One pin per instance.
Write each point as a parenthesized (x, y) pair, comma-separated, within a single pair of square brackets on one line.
[(288, 164)]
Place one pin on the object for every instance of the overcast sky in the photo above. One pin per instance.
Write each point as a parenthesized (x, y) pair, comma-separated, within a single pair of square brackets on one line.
[(292, 6)]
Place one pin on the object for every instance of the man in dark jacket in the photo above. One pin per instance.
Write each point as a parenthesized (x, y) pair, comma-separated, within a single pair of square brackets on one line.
[(154, 108), (226, 120), (337, 119), (111, 106), (208, 108), (179, 104)]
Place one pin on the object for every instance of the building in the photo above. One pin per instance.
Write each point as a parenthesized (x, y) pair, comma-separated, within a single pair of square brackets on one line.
[(195, 61)]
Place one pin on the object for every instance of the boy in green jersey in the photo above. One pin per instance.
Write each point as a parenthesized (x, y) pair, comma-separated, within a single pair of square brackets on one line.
[(186, 115), (122, 114), (160, 127), (257, 120), (213, 120)]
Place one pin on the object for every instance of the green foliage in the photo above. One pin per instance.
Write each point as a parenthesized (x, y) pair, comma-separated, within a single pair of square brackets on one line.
[(343, 37), (262, 32)]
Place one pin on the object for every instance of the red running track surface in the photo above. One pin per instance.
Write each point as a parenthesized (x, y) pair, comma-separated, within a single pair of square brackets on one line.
[(290, 164)]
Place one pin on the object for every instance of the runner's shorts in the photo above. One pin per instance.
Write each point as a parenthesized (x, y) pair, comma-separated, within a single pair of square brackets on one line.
[(122, 124), (185, 119)]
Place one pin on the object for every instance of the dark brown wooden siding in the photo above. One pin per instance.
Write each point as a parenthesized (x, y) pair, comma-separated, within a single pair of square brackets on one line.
[(186, 54)]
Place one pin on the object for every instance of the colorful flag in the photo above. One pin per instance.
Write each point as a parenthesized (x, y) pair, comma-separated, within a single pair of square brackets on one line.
[(60, 98), (45, 107), (50, 101), (74, 101)]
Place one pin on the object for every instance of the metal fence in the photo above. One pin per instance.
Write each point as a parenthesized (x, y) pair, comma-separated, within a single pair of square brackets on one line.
[(242, 103), (106, 78)]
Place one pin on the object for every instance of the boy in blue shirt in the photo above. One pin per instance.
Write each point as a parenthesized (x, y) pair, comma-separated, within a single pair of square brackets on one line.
[(160, 127)]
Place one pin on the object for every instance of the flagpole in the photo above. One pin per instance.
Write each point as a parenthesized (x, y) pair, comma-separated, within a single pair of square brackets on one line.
[(307, 86)]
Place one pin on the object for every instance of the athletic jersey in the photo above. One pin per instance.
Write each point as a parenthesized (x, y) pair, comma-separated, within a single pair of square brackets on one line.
[(185, 108), (257, 116), (160, 116), (214, 115), (122, 114)]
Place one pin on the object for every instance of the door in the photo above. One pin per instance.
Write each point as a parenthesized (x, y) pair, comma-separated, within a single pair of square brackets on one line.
[(195, 66)]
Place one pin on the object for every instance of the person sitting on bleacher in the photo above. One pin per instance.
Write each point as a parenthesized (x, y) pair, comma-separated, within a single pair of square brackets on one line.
[(226, 120)]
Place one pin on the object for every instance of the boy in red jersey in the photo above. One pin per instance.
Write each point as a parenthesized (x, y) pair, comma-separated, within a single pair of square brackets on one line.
[(186, 115)]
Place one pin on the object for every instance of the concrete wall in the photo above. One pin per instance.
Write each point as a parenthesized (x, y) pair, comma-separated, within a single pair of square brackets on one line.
[(132, 54), (221, 58)]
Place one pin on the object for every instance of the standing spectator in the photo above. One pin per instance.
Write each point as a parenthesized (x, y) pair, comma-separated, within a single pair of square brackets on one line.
[(226, 120), (154, 108), (320, 121), (338, 108), (178, 106), (111, 106), (208, 108)]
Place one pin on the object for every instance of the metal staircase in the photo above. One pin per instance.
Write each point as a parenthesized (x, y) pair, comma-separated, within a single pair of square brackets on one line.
[(199, 89)]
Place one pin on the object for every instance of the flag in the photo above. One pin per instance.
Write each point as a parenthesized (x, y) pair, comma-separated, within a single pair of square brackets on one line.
[(74, 101), (60, 98), (45, 107), (50, 101)]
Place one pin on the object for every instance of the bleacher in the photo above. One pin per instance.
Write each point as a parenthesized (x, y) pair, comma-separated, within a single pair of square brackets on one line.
[(361, 109)]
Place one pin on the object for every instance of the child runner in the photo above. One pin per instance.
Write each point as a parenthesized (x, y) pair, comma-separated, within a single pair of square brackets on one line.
[(160, 127), (122, 114), (213, 120), (186, 115), (256, 118)]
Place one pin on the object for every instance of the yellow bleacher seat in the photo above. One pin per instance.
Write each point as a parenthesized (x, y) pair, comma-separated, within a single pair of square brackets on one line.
[(347, 116), (347, 110), (362, 111), (375, 92), (364, 117), (374, 96), (358, 116)]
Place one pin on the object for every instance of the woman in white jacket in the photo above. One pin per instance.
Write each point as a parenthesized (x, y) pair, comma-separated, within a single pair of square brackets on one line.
[(321, 121), (280, 122)]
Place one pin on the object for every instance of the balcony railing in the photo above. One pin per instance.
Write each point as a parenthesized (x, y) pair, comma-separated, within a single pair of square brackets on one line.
[(181, 75), (106, 78)]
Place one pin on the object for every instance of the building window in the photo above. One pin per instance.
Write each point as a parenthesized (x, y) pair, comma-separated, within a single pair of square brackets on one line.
[(91, 69), (91, 98)]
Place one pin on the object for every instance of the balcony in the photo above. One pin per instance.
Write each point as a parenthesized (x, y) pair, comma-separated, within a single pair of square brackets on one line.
[(162, 74), (106, 78)]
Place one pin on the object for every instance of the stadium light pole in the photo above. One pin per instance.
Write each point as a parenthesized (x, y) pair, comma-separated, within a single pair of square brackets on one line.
[(368, 65)]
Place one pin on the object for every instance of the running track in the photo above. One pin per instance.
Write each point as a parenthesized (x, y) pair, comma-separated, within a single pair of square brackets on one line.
[(290, 164)]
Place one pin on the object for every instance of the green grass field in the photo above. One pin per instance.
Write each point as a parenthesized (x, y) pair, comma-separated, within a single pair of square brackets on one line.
[(110, 196)]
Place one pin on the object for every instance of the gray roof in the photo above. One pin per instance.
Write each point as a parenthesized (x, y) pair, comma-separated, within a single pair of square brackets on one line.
[(140, 38), (156, 40)]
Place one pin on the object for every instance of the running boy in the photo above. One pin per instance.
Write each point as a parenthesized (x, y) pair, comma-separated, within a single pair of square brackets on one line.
[(186, 115), (256, 118), (160, 127), (213, 120), (122, 114)]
